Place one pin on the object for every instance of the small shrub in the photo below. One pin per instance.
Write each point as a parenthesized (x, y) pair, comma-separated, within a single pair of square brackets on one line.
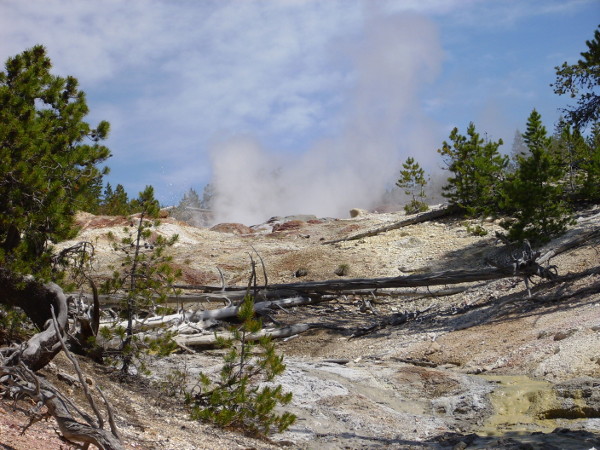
[(301, 272), (241, 398), (412, 180), (175, 383), (415, 206), (342, 270), (476, 230)]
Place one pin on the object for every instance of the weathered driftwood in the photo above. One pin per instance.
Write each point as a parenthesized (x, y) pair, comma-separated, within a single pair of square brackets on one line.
[(213, 314), (20, 381), (210, 340), (418, 218)]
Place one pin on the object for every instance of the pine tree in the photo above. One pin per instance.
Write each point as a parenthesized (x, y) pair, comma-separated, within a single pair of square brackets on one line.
[(477, 171), (187, 209), (571, 151), (412, 180), (106, 195), (534, 195), (208, 196), (116, 203), (244, 396), (590, 166), (582, 80), (48, 158), (91, 197), (146, 274)]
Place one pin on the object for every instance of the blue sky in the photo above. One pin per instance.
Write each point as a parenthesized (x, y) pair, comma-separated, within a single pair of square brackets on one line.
[(299, 106)]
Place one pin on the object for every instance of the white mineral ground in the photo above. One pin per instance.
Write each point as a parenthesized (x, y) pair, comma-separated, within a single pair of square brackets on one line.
[(484, 368)]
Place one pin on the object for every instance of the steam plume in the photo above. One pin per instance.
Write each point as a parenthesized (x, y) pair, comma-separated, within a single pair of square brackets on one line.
[(381, 125)]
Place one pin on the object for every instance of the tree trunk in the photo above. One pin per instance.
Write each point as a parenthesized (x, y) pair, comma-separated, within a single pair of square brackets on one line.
[(419, 218), (43, 393), (210, 340), (212, 314), (36, 299)]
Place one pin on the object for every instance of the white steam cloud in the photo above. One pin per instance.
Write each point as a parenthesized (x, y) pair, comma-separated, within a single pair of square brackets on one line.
[(382, 123)]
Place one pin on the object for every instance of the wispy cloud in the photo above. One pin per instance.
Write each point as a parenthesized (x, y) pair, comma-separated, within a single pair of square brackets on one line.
[(311, 84)]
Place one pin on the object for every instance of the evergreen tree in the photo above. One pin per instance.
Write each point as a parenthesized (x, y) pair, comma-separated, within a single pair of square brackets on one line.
[(187, 209), (582, 80), (48, 158), (146, 274), (534, 194), (208, 195), (91, 197), (107, 194), (244, 397), (116, 203), (590, 166), (571, 151), (412, 180), (477, 170)]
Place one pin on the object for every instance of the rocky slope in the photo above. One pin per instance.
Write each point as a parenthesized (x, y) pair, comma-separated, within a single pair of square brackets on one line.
[(487, 367)]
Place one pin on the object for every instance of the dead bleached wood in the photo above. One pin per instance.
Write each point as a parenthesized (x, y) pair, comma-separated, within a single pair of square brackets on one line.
[(95, 434), (211, 294), (213, 314), (210, 340), (36, 299), (418, 218), (18, 381), (23, 382), (418, 280), (568, 245)]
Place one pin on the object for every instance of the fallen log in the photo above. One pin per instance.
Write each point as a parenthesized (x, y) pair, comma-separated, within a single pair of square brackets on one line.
[(354, 285), (211, 294), (568, 245), (417, 280), (212, 314), (210, 340), (419, 218)]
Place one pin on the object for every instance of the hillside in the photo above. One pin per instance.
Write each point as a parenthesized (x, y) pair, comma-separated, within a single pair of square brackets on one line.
[(482, 366)]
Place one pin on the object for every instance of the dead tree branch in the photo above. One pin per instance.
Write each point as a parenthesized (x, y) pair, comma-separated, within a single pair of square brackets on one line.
[(419, 218), (36, 299), (210, 340)]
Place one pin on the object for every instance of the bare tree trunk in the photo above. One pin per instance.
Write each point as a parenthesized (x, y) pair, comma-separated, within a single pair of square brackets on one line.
[(419, 218), (210, 340), (36, 299), (25, 382)]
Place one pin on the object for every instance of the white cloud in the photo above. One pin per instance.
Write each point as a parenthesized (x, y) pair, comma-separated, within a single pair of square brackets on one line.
[(328, 81)]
